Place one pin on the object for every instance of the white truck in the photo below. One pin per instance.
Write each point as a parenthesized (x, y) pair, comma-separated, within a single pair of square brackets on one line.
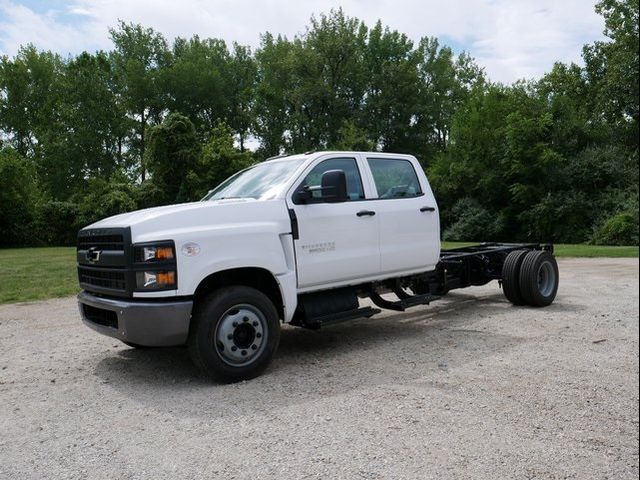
[(297, 239)]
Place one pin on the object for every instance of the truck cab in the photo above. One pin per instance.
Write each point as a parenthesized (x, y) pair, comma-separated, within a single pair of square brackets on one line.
[(297, 239)]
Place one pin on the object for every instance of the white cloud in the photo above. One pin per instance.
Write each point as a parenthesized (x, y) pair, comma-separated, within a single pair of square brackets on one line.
[(511, 39), (20, 25)]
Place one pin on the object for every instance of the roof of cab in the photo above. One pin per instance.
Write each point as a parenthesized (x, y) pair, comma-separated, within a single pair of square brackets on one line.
[(307, 155)]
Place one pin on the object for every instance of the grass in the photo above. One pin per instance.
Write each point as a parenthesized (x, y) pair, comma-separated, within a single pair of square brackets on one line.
[(591, 251), (39, 273)]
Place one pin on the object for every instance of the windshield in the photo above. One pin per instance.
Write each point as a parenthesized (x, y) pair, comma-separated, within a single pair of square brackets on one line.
[(263, 181)]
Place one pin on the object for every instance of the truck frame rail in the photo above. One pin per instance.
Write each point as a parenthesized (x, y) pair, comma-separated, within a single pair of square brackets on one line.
[(476, 265), (461, 267)]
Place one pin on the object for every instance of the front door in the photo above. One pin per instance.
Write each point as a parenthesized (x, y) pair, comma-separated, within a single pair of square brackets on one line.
[(337, 242)]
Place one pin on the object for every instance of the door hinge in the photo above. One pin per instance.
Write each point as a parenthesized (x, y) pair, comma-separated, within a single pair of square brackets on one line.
[(294, 224)]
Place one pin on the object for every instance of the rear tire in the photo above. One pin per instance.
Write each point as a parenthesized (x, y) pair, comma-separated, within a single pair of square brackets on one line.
[(234, 333), (539, 278), (511, 276)]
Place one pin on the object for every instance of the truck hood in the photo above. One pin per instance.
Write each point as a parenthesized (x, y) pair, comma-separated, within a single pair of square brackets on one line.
[(170, 220), (136, 217)]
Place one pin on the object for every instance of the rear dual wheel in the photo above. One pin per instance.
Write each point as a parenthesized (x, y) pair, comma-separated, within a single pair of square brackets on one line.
[(511, 276), (530, 278)]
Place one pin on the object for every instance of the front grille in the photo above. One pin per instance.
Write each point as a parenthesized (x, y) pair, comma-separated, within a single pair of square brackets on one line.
[(106, 318), (104, 261), (101, 242), (111, 279)]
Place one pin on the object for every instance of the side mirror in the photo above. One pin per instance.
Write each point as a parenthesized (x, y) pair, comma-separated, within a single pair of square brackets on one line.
[(334, 186), (332, 189)]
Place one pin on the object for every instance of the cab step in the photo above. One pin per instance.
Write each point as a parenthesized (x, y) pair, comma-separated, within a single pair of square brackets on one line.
[(333, 318), (405, 301)]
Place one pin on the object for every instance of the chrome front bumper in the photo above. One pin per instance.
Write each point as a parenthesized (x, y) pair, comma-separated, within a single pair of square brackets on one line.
[(143, 322)]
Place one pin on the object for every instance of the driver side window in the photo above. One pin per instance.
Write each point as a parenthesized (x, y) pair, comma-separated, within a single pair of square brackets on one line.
[(355, 190)]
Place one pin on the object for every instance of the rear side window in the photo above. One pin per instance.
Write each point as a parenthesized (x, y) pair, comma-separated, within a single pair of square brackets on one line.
[(394, 178), (350, 168)]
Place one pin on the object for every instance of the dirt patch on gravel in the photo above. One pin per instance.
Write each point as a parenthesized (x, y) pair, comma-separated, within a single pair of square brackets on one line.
[(467, 387)]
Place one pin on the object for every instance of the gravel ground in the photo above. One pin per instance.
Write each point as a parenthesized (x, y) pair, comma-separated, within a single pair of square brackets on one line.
[(468, 387)]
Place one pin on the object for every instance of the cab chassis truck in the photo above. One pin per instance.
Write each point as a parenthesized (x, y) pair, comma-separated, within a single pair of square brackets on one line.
[(296, 239)]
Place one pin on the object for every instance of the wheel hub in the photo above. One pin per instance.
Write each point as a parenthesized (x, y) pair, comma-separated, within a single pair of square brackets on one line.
[(546, 279), (240, 335), (244, 335)]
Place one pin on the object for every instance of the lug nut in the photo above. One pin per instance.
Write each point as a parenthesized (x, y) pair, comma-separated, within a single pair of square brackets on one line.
[(245, 319), (254, 347), (255, 324), (230, 337), (234, 348), (235, 324), (244, 352), (258, 335)]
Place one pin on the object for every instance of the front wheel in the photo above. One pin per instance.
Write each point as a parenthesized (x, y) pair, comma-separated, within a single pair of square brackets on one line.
[(234, 333)]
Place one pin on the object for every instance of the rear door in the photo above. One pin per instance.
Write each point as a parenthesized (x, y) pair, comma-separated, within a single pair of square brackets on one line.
[(407, 214), (337, 242)]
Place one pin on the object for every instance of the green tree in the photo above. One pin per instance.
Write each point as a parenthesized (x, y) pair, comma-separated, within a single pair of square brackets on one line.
[(273, 103), (91, 116), (332, 74), (501, 156), (139, 56), (553, 159), (172, 153), (18, 197), (353, 138), (218, 160), (30, 96), (446, 82), (612, 67), (242, 82), (309, 87), (392, 90), (105, 197), (15, 118), (568, 95), (196, 81)]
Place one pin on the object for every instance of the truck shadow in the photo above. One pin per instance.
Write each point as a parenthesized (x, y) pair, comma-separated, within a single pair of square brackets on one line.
[(390, 348)]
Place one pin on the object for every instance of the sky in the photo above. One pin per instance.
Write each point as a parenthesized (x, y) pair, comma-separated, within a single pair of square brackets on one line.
[(510, 39)]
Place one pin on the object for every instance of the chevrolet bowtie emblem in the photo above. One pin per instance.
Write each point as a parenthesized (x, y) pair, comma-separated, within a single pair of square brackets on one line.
[(93, 255)]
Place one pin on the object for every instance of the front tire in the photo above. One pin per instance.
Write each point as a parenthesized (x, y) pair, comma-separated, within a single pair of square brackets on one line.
[(234, 333)]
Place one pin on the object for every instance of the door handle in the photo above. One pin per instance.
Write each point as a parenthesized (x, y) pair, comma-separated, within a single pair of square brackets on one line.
[(428, 209), (366, 213)]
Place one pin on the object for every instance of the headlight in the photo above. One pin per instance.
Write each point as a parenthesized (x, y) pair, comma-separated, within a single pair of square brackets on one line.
[(155, 266), (157, 252), (161, 280)]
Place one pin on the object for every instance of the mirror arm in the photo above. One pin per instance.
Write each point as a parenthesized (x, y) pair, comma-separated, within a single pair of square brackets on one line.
[(303, 195)]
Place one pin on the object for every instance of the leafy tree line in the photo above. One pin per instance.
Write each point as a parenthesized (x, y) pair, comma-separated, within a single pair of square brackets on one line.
[(152, 122)]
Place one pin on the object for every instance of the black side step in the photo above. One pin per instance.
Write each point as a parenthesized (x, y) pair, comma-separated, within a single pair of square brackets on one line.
[(330, 319), (405, 301)]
